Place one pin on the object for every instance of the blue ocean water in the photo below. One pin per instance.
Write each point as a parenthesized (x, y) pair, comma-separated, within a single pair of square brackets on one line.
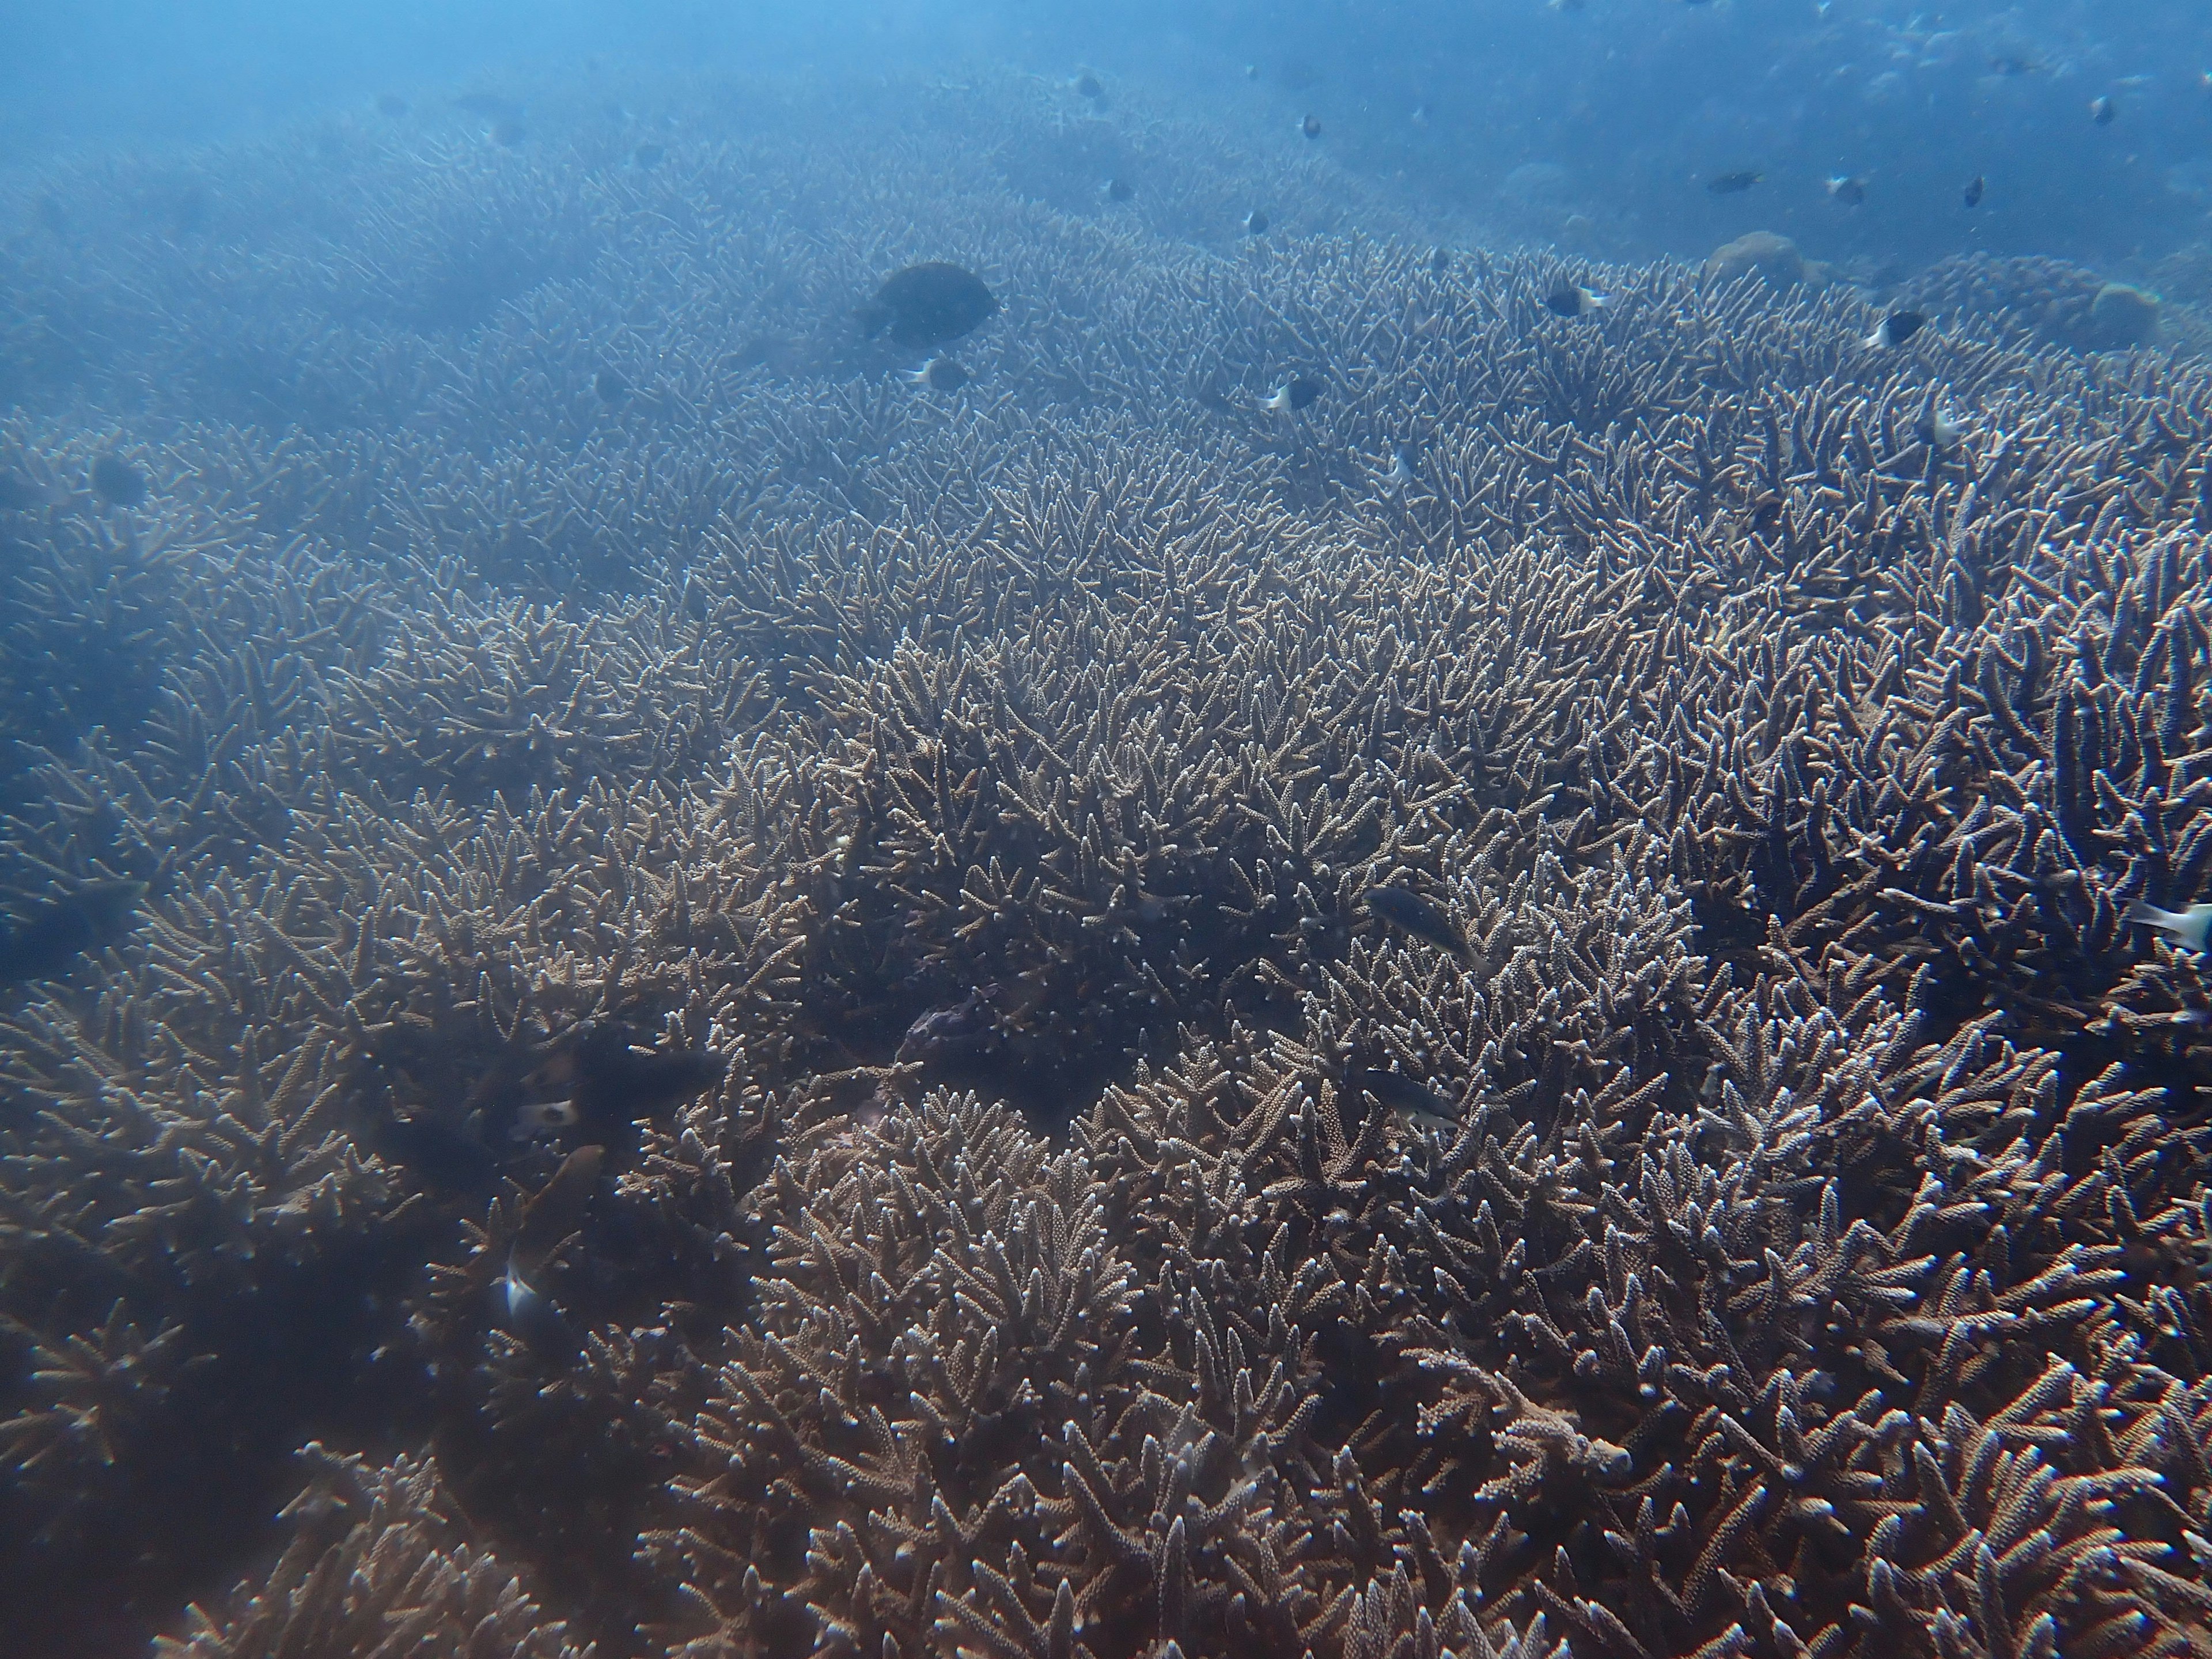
[(1360, 830)]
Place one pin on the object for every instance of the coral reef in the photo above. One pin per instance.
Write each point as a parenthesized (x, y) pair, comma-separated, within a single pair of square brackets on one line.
[(767, 1017)]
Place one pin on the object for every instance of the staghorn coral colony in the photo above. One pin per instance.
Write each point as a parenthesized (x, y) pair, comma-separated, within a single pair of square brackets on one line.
[(759, 1025)]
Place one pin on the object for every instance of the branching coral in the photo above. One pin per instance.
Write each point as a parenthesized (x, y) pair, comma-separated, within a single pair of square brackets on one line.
[(1499, 1014)]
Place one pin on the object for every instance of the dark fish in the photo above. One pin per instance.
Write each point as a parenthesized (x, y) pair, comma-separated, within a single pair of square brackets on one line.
[(554, 1214), (647, 156), (1440, 261), (1117, 190), (487, 103), (117, 482), (610, 386), (1410, 913), (44, 940), (925, 305), (2010, 64), (1569, 298), (1296, 392), (965, 1032), (614, 1082), (940, 374), (508, 134), (1765, 514), (1251, 72), (1411, 1099), (1086, 86), (1896, 329), (1975, 187), (391, 104), (2102, 109), (1734, 184), (1256, 223), (1848, 188), (1310, 126)]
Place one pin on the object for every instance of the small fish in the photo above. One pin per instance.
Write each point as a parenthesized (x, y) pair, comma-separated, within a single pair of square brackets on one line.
[(1976, 187), (1086, 85), (1410, 913), (1296, 392), (647, 156), (1256, 223), (1569, 298), (117, 482), (527, 1313), (45, 939), (609, 385), (2102, 109), (2186, 928), (928, 304), (1848, 188), (1895, 329), (508, 134), (2010, 64), (1734, 184), (544, 1117), (1419, 118), (966, 1031), (1402, 466), (1310, 126), (1117, 190), (939, 374), (1765, 514), (614, 1082), (487, 103), (1421, 1106), (1940, 429), (390, 105), (1251, 72), (1439, 262)]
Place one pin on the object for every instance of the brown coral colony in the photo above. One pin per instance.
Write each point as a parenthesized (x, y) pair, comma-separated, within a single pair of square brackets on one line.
[(716, 1010)]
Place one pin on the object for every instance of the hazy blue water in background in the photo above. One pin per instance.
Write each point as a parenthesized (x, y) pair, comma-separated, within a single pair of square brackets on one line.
[(1614, 110)]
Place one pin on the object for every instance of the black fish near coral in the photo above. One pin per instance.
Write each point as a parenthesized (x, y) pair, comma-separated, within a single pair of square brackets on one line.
[(1411, 914), (612, 1081), (1568, 299), (925, 305), (45, 939), (1895, 329), (117, 482), (1734, 184), (1299, 391), (940, 374), (966, 1031)]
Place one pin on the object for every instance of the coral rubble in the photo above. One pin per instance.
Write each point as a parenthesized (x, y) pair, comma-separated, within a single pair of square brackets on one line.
[(761, 1022)]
